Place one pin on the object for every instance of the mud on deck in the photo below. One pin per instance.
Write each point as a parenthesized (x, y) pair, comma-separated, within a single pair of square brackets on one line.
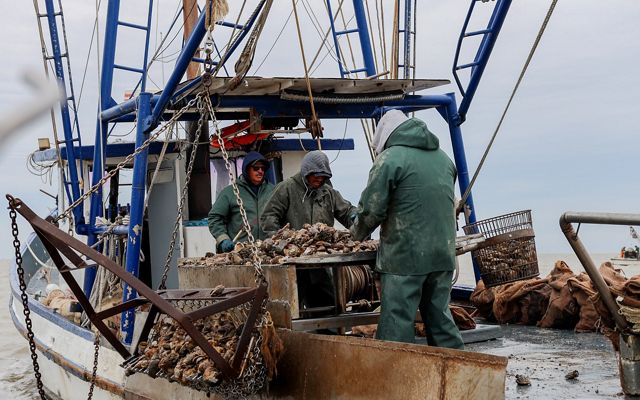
[(545, 356)]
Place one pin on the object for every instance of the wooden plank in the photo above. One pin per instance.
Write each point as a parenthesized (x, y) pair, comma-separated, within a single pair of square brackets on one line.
[(258, 86)]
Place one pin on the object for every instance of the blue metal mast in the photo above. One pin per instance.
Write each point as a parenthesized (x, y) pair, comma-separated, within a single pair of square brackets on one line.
[(64, 111), (363, 35), (489, 38)]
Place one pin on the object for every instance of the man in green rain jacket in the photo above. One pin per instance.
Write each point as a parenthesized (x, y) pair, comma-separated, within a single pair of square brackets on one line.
[(224, 218), (410, 195), (308, 198)]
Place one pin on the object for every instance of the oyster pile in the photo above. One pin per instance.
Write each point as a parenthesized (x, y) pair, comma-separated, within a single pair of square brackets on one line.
[(172, 354), (508, 261), (317, 239)]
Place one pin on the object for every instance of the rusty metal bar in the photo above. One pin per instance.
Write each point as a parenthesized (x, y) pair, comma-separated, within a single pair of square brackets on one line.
[(222, 305), (56, 242), (585, 259), (120, 308), (247, 329)]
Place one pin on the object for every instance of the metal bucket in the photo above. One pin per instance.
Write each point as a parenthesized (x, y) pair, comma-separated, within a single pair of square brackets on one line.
[(509, 252)]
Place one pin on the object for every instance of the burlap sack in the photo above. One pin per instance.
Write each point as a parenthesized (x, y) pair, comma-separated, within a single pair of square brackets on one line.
[(613, 277), (583, 292), (535, 302), (506, 308), (632, 288), (463, 320), (482, 298), (563, 310)]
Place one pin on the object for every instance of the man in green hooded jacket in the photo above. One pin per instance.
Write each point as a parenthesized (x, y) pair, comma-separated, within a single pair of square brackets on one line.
[(225, 221), (308, 198), (410, 195)]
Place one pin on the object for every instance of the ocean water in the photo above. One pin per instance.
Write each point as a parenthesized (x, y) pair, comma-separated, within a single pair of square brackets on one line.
[(16, 374), (16, 371)]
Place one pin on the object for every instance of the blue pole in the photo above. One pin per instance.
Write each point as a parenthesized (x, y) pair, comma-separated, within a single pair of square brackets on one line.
[(365, 40), (450, 113), (407, 39), (484, 52), (335, 39), (109, 53), (181, 66), (134, 240), (78, 215)]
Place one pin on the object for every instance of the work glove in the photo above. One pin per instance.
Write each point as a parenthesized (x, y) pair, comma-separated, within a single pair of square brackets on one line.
[(226, 246)]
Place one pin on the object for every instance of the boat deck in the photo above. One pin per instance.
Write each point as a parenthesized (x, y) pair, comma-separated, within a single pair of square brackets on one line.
[(545, 356)]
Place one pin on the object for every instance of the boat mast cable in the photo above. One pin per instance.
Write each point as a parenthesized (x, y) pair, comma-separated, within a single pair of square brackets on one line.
[(316, 128), (381, 34), (543, 27)]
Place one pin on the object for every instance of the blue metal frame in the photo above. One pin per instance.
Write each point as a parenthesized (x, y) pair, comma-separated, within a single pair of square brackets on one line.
[(106, 101), (134, 238), (490, 35), (363, 34), (408, 31), (108, 66), (449, 113), (64, 112)]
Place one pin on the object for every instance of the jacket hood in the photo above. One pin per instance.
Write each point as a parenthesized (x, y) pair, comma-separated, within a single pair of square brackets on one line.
[(413, 133), (249, 159), (385, 127), (316, 163)]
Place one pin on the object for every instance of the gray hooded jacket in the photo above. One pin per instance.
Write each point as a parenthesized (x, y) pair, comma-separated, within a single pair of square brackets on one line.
[(295, 203)]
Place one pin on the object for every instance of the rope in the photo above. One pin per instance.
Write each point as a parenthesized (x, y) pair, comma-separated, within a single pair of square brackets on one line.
[(286, 22), (381, 34), (395, 40), (315, 124), (246, 57), (631, 314), (513, 93), (373, 38)]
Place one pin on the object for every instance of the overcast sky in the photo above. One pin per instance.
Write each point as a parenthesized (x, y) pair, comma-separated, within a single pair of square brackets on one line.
[(569, 142)]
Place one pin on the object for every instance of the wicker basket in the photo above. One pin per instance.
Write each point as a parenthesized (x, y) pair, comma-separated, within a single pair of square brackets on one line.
[(509, 252)]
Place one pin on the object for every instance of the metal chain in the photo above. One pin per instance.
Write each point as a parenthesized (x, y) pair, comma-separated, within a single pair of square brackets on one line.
[(256, 260), (13, 203), (183, 195), (96, 346), (94, 188)]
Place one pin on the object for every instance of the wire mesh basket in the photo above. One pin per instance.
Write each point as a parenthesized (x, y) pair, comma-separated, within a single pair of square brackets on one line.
[(509, 252)]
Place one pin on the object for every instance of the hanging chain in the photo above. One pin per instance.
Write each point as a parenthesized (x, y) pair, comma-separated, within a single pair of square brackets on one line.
[(13, 203), (123, 163), (94, 372), (183, 195), (256, 260)]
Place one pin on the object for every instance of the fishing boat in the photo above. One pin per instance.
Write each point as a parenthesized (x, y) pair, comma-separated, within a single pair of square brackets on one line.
[(131, 209), (629, 256)]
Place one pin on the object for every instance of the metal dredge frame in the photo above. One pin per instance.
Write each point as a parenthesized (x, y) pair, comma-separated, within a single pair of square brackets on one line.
[(59, 244)]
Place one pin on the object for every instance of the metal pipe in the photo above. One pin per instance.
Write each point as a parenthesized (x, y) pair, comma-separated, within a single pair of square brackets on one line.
[(64, 111), (450, 113), (181, 66), (99, 151), (589, 266), (408, 15), (365, 40), (484, 52), (335, 38), (134, 240)]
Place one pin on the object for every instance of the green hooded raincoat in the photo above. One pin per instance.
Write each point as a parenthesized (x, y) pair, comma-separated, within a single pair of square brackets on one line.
[(410, 193), (224, 218)]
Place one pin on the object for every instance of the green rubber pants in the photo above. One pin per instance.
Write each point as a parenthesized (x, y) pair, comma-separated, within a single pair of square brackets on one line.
[(402, 295)]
